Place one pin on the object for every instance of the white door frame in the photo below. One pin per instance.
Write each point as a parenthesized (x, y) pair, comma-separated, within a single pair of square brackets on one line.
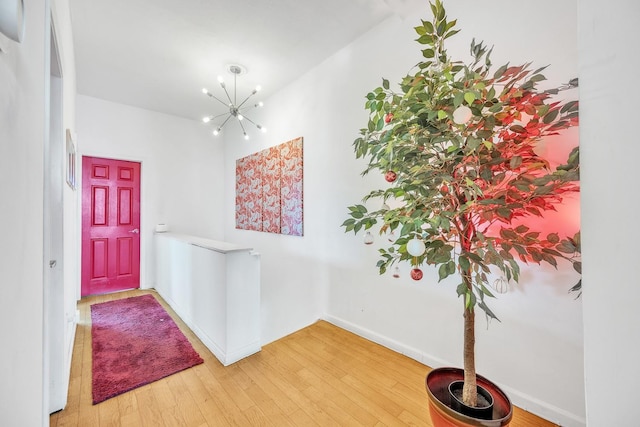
[(55, 382)]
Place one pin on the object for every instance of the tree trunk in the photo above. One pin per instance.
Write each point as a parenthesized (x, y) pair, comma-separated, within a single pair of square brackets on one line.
[(469, 391)]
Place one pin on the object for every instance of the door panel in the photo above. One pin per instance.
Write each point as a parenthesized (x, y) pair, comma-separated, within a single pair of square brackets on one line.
[(110, 225)]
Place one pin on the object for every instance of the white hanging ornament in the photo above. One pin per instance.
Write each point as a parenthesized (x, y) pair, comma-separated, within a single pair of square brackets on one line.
[(368, 238), (462, 115), (500, 285), (396, 272), (416, 247)]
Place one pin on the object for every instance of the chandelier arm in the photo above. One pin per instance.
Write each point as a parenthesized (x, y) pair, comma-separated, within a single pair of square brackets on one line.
[(219, 115), (225, 122), (235, 88), (252, 122), (242, 126), (246, 99), (228, 97), (245, 109), (218, 99)]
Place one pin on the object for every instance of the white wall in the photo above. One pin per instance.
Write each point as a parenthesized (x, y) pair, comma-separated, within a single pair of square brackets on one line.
[(610, 153), (22, 130), (181, 168), (292, 269), (536, 352)]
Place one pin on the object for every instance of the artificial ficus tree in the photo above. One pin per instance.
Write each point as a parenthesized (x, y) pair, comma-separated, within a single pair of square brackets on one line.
[(457, 144)]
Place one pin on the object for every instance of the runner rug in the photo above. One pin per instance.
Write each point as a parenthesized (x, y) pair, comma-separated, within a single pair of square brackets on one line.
[(135, 342)]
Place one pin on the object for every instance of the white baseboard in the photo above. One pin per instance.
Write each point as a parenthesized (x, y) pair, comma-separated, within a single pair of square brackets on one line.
[(522, 400), (225, 358)]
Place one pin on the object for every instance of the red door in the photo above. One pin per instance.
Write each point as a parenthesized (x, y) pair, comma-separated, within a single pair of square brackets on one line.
[(110, 225)]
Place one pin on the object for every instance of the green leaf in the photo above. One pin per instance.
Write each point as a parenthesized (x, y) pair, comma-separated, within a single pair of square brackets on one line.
[(504, 213), (451, 267), (553, 238), (425, 39), (451, 24), (385, 84), (550, 117), (500, 71), (428, 53), (520, 250), (508, 234), (457, 99), (451, 33), (549, 259), (469, 97), (577, 266), (487, 310), (521, 229), (465, 265), (567, 247), (537, 78), (442, 114), (443, 272), (420, 30), (515, 162), (470, 300), (569, 106), (428, 26)]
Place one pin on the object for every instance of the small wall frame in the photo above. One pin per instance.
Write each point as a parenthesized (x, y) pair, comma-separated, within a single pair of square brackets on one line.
[(71, 160)]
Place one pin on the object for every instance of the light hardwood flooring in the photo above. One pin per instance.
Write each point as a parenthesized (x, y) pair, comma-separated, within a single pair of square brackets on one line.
[(319, 376)]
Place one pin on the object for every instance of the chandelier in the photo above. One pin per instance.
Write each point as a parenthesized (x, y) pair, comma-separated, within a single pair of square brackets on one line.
[(236, 110)]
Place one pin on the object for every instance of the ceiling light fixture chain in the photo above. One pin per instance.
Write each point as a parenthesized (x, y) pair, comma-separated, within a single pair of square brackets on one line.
[(235, 110)]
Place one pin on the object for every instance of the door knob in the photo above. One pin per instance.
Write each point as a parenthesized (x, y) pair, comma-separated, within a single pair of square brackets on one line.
[(135, 230)]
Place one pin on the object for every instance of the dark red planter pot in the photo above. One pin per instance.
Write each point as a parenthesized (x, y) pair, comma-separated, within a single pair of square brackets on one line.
[(437, 384)]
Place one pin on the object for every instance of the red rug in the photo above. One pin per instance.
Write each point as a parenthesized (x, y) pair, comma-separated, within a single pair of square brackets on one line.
[(135, 342)]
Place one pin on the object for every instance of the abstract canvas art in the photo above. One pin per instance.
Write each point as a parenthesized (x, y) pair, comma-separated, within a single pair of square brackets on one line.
[(269, 190)]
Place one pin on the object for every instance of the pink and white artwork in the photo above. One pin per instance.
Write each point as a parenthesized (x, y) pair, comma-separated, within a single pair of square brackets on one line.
[(269, 190), (249, 193), (291, 187)]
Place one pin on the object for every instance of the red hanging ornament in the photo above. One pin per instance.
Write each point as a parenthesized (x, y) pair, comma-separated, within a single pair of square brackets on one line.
[(416, 274)]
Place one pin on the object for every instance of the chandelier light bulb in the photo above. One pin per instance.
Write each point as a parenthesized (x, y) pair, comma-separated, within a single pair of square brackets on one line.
[(246, 136), (216, 132), (260, 104), (263, 129), (220, 79), (206, 119), (240, 116), (258, 88), (205, 91)]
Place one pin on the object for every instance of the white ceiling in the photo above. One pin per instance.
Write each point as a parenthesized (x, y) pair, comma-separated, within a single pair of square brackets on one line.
[(159, 54)]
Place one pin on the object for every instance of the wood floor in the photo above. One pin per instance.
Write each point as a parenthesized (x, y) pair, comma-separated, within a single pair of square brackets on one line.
[(319, 376)]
